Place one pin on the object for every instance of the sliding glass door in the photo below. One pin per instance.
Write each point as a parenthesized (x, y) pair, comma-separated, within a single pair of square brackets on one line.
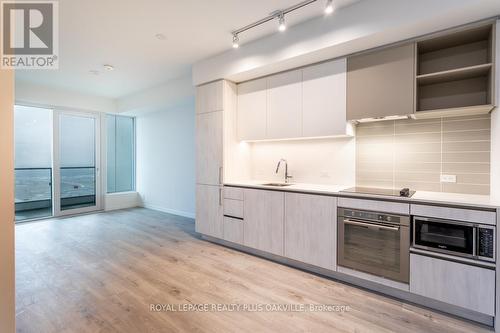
[(76, 162), (57, 164)]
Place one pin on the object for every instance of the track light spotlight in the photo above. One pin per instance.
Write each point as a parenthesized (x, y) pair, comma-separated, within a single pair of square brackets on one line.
[(329, 8), (236, 41), (282, 24)]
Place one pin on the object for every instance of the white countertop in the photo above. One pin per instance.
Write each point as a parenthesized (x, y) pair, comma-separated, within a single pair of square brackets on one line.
[(473, 200)]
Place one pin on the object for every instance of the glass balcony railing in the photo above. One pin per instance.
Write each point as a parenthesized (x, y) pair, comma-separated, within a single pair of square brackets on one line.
[(77, 187), (33, 190)]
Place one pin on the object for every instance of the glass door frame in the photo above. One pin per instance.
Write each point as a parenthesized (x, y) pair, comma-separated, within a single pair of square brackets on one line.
[(56, 155)]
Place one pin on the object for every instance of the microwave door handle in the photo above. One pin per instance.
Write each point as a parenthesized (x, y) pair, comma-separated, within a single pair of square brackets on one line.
[(370, 225)]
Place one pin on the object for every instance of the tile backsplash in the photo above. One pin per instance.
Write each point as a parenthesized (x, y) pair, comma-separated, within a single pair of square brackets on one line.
[(415, 153)]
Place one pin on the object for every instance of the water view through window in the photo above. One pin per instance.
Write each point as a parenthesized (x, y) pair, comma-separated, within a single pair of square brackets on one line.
[(34, 174), (33, 162), (77, 154)]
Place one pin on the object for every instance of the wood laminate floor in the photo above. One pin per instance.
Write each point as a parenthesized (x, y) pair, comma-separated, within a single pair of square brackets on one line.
[(101, 272)]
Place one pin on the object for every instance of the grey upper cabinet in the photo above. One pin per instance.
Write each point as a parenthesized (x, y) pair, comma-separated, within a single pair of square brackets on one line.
[(381, 83), (310, 229), (264, 215)]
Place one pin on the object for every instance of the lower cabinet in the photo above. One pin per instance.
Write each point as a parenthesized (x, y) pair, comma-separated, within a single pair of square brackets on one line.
[(233, 230), (466, 286), (263, 226), (311, 229), (209, 213)]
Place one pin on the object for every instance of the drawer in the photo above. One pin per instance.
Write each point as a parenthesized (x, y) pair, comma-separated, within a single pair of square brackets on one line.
[(233, 208), (375, 205), (235, 193), (466, 286), (233, 230), (460, 214)]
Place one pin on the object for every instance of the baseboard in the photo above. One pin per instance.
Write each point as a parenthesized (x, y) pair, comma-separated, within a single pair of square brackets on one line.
[(169, 210)]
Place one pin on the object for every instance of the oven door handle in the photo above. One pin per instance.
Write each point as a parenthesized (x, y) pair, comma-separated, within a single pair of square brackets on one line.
[(370, 225)]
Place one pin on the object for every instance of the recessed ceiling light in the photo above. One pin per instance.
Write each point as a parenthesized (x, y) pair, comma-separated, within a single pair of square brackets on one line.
[(109, 68), (94, 72), (160, 36)]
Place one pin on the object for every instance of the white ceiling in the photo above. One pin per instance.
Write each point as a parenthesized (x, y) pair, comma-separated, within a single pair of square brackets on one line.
[(122, 33)]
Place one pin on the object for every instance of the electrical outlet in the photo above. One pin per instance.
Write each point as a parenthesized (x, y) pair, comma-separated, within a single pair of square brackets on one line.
[(325, 174), (448, 178)]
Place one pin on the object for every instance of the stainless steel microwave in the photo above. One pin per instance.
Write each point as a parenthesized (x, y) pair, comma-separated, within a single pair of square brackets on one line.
[(463, 239)]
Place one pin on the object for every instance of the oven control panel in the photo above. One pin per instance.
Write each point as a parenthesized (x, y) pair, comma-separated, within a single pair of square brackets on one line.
[(371, 216)]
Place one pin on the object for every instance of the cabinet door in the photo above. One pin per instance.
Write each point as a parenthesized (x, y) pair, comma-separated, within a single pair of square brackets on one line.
[(209, 215), (284, 112), (209, 148), (233, 230), (381, 83), (462, 285), (252, 110), (209, 97), (263, 226), (310, 229), (324, 99)]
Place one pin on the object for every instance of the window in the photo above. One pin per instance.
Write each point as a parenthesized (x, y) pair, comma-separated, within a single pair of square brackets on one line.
[(33, 162), (120, 153)]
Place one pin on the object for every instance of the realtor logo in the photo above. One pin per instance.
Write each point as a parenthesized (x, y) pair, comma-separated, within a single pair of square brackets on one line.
[(29, 36)]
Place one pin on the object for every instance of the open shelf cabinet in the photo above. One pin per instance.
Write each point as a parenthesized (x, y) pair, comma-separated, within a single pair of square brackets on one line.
[(455, 72)]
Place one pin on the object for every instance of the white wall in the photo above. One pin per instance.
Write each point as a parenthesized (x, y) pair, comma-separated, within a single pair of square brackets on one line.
[(38, 95), (158, 98), (166, 159), (7, 292), (317, 161), (366, 24)]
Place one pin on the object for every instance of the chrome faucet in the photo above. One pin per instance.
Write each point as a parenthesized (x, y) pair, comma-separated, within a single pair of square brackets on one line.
[(287, 176)]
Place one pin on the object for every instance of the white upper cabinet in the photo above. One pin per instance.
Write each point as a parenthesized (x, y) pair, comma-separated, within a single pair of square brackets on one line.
[(284, 105), (324, 99), (209, 97), (252, 109), (308, 102)]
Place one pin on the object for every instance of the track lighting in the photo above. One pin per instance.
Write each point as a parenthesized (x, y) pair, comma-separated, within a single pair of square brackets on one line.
[(280, 15), (282, 24), (329, 8), (236, 41)]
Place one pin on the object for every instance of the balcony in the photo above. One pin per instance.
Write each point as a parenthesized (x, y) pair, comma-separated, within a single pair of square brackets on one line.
[(33, 191)]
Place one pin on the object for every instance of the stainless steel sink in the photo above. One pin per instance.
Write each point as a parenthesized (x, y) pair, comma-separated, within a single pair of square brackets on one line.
[(277, 184)]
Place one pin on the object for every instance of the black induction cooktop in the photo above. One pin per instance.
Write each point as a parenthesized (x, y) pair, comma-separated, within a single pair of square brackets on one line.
[(390, 192)]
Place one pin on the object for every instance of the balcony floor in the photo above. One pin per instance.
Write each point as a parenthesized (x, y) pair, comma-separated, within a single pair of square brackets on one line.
[(23, 215)]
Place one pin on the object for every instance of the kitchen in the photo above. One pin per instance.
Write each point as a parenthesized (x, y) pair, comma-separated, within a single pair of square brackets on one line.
[(376, 169), (254, 166)]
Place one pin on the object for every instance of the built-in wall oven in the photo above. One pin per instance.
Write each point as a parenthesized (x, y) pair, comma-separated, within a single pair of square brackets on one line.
[(374, 243), (461, 239)]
